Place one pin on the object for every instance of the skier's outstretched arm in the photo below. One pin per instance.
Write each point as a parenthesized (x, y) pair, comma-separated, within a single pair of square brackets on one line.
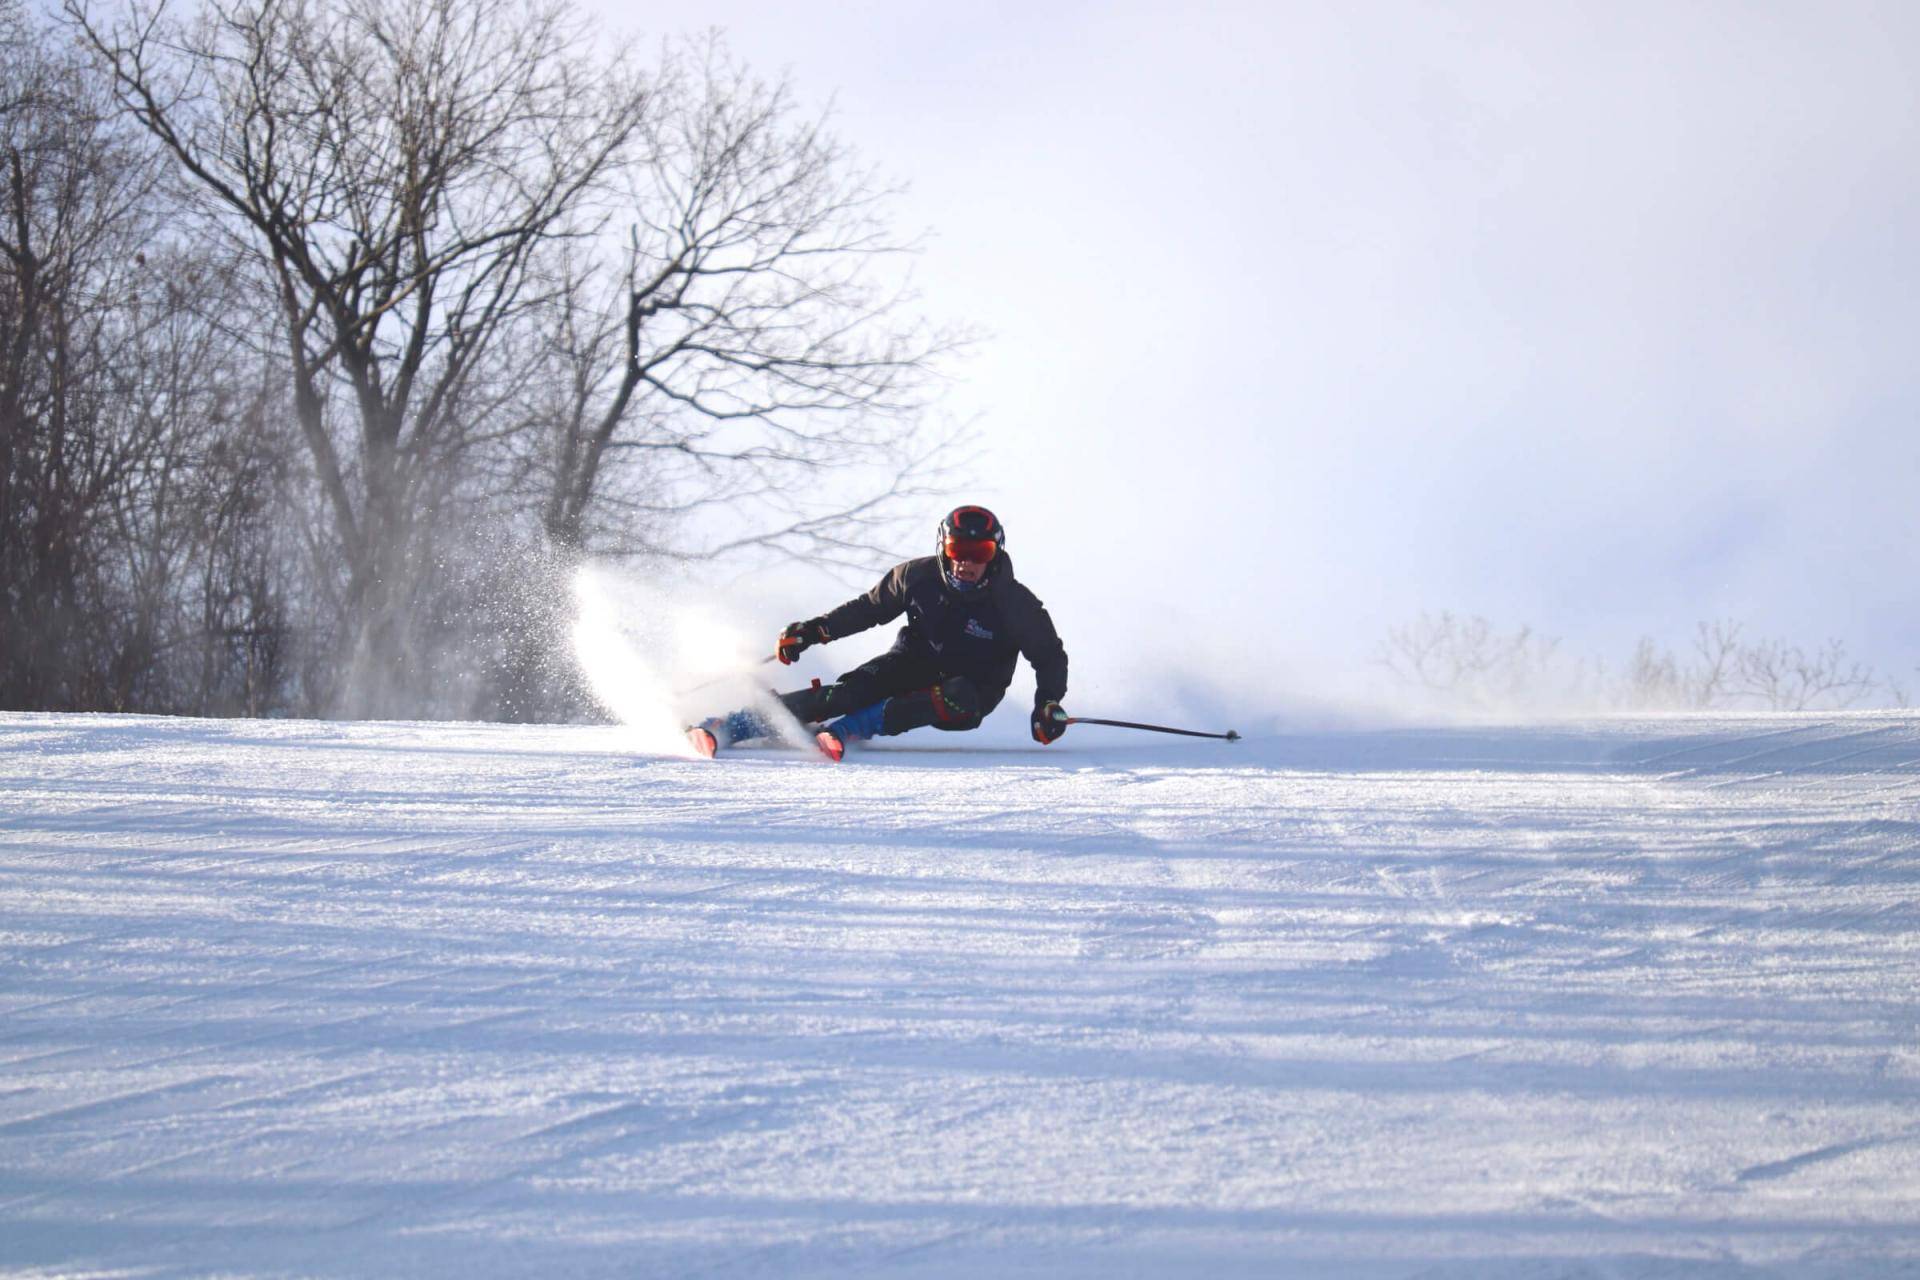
[(887, 601)]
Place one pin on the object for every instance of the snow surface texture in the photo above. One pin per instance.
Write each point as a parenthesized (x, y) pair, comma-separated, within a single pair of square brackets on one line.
[(1615, 998)]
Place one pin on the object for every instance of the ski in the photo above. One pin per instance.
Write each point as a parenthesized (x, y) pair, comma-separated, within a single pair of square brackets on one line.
[(707, 746)]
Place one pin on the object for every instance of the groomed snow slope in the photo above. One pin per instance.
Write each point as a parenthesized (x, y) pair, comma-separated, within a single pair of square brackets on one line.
[(1614, 998)]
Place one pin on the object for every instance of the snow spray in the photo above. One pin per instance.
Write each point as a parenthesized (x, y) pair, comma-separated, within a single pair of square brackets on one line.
[(657, 657)]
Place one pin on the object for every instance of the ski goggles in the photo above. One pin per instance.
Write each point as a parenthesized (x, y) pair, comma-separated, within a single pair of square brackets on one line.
[(972, 550)]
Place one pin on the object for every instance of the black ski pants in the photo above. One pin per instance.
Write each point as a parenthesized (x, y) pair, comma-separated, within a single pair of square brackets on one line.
[(917, 692)]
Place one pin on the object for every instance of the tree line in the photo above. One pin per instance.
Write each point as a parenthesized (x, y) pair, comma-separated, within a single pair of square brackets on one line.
[(334, 332), (1469, 662)]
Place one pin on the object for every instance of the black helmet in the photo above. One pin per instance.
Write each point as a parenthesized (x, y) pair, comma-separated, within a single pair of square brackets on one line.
[(970, 533)]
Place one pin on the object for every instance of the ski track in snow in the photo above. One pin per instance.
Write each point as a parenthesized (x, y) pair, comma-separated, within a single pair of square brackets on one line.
[(1617, 998)]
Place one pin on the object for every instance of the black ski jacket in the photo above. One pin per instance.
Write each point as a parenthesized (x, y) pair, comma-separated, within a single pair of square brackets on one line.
[(977, 634)]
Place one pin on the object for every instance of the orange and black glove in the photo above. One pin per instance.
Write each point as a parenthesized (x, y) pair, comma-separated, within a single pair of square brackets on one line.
[(1049, 721), (798, 637)]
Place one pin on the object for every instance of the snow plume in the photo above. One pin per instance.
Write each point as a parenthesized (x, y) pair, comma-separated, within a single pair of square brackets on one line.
[(657, 655)]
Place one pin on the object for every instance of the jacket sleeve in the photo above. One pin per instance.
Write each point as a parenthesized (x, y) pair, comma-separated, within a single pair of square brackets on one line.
[(1041, 645), (887, 601)]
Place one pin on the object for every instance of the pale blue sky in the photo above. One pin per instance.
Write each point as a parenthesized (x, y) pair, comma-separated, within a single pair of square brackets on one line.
[(1598, 317)]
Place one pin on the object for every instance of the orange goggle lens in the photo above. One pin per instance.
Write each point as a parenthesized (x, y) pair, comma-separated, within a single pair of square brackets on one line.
[(972, 550)]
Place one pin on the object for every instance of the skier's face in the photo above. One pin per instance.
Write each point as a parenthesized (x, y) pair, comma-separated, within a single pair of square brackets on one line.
[(969, 571)]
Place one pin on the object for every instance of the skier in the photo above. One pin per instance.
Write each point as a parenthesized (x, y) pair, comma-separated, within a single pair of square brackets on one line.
[(968, 620)]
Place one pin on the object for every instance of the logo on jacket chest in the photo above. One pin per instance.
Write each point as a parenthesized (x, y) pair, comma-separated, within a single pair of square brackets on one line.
[(942, 620)]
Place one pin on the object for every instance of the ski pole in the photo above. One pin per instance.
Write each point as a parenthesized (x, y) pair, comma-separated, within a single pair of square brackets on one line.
[(731, 675), (1229, 735)]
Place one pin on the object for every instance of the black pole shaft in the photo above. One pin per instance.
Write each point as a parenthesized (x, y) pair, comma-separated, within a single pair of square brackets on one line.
[(1229, 735), (731, 675)]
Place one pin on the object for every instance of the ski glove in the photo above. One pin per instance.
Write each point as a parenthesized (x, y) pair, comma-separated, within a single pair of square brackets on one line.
[(1049, 721), (798, 636)]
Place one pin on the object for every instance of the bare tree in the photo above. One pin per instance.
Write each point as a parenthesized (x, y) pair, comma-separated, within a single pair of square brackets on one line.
[(1786, 677), (183, 384), (1466, 658), (1653, 678), (76, 208), (1656, 678), (747, 344), (1717, 649), (395, 166)]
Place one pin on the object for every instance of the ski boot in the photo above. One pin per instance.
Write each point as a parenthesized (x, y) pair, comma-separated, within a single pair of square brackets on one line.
[(715, 732), (855, 727)]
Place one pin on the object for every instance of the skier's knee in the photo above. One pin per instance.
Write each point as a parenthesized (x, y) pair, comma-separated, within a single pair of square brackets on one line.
[(956, 703)]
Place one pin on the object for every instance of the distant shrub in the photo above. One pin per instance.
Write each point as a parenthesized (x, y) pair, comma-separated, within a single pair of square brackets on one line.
[(1467, 661)]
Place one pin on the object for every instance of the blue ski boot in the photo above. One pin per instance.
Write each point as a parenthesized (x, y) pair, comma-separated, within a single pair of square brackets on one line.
[(855, 727), (716, 732)]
